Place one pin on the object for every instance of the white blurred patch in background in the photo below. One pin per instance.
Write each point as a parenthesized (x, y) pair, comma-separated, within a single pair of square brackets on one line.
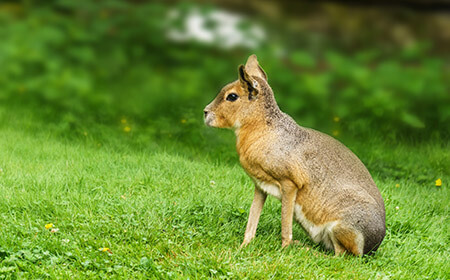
[(216, 27)]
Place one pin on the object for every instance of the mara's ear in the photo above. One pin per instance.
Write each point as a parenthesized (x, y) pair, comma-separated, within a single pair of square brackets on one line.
[(253, 68), (249, 84)]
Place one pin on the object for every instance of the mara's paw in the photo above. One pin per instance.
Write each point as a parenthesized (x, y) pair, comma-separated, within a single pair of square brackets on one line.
[(286, 243), (292, 242), (244, 244)]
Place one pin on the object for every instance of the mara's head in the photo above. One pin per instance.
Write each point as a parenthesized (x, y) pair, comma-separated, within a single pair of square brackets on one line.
[(239, 101)]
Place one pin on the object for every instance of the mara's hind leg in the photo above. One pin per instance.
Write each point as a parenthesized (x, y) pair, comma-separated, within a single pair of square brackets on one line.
[(338, 249), (346, 239)]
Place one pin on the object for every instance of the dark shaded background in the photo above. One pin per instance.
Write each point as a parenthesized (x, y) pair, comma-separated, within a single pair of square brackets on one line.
[(150, 67)]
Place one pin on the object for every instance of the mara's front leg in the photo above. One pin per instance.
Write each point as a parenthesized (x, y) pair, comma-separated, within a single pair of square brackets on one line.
[(288, 196), (253, 217)]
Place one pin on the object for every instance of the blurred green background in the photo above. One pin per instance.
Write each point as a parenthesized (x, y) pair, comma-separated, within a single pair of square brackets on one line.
[(149, 68)]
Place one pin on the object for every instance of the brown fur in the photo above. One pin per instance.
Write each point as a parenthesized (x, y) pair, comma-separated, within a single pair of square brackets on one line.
[(346, 240), (317, 179)]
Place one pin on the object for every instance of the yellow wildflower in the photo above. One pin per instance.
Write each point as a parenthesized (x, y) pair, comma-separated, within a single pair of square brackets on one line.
[(124, 121), (127, 129), (397, 185), (183, 121), (48, 226), (438, 182), (335, 132), (107, 250), (336, 119)]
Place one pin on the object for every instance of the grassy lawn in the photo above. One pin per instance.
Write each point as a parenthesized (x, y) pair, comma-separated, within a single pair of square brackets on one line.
[(168, 210)]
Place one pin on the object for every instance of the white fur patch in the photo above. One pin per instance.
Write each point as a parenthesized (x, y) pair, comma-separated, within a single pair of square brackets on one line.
[(318, 233), (210, 119), (270, 189), (237, 126)]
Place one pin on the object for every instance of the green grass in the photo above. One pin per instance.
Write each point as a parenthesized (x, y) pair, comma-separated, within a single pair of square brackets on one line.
[(177, 210)]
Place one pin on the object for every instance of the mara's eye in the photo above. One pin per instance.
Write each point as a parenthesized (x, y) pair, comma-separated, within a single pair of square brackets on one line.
[(232, 97)]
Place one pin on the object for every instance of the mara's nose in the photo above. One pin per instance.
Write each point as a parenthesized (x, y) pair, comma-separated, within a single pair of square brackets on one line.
[(205, 113)]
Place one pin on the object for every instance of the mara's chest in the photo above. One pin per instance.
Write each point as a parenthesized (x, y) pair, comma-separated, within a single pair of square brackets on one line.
[(259, 169), (264, 165), (254, 156)]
